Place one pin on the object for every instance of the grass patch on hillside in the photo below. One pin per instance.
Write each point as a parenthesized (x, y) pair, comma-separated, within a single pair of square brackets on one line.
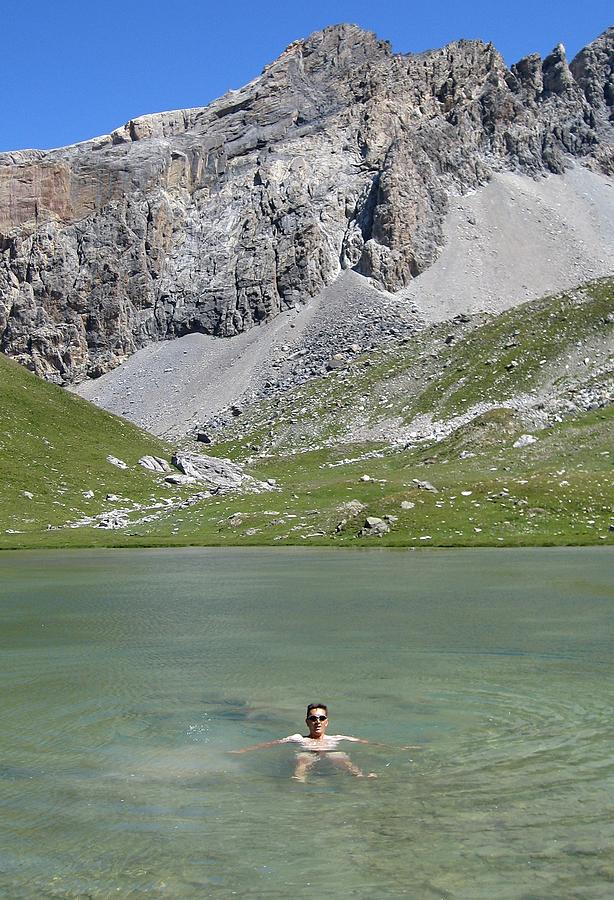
[(54, 446), (508, 354)]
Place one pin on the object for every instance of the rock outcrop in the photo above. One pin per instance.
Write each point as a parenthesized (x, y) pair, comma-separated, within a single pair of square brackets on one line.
[(155, 464), (340, 155), (216, 473)]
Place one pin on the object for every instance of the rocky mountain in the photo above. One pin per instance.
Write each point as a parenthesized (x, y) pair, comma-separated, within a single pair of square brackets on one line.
[(341, 155)]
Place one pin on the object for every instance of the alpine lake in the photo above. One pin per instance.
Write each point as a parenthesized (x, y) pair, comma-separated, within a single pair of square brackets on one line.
[(128, 676)]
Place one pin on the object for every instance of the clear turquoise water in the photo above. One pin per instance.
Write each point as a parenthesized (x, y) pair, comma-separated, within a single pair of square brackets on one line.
[(127, 676)]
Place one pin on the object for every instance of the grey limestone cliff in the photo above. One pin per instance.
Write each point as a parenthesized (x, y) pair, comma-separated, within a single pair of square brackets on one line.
[(340, 155)]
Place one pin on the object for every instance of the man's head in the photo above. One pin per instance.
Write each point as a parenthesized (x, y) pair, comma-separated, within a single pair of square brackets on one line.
[(317, 719)]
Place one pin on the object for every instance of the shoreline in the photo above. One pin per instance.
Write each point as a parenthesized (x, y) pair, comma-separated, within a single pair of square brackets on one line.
[(321, 545)]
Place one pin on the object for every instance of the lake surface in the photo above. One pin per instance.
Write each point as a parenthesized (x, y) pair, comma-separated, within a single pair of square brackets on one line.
[(127, 676)]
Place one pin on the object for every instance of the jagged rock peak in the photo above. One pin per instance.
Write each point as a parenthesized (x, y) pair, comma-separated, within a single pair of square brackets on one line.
[(338, 43), (593, 70), (557, 77)]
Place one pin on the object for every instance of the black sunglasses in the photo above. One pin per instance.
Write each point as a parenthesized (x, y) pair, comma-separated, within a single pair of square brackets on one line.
[(317, 718)]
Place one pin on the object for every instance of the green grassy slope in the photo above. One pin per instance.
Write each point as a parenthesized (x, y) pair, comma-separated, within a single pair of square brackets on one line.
[(559, 490), (54, 445)]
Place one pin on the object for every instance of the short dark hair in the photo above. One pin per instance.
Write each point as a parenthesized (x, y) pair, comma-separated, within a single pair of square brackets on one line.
[(317, 706)]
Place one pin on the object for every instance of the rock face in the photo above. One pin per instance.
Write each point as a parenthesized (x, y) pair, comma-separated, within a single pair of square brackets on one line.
[(340, 155)]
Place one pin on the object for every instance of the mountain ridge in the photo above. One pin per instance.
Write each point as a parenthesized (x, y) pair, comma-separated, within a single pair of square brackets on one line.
[(340, 155), (129, 131)]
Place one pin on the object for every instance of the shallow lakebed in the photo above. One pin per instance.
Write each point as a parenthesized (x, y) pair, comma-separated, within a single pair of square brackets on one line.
[(127, 677)]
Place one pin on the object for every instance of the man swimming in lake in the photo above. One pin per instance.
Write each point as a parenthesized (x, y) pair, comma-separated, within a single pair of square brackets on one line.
[(316, 745)]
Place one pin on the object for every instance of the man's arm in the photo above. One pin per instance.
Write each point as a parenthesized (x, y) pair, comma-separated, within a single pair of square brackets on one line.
[(378, 744), (259, 746)]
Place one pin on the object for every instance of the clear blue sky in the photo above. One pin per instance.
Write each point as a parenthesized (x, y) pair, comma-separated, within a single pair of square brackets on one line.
[(73, 69)]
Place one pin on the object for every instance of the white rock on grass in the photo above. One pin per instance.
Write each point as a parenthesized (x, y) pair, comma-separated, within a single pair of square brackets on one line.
[(425, 485), (117, 462), (374, 527), (113, 520), (217, 473), (180, 479), (525, 440), (352, 507), (155, 464)]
